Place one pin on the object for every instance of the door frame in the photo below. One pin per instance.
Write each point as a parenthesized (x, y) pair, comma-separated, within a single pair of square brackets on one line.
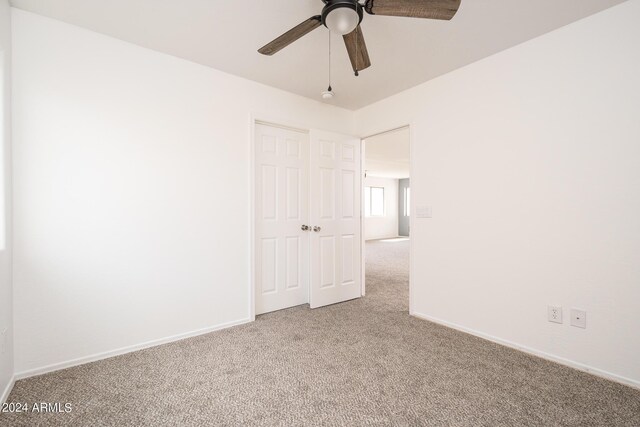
[(412, 216)]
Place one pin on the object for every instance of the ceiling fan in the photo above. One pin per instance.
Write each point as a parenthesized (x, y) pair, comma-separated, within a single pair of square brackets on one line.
[(344, 17)]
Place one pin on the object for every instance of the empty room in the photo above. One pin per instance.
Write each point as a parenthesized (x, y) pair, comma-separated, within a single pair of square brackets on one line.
[(320, 212)]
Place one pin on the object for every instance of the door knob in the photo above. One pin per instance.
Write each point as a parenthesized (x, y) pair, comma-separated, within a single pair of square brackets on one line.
[(316, 228), (305, 227)]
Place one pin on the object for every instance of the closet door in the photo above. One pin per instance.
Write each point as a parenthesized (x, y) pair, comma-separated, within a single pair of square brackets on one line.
[(335, 217), (281, 210)]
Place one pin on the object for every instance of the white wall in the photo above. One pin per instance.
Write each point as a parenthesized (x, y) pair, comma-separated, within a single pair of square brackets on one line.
[(376, 227), (530, 160), (6, 297), (132, 177), (127, 230)]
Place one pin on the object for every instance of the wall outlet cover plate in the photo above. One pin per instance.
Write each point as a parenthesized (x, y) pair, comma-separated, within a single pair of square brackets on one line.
[(578, 318), (554, 314)]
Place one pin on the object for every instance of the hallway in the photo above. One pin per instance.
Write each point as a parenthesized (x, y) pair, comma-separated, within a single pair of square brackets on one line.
[(387, 270)]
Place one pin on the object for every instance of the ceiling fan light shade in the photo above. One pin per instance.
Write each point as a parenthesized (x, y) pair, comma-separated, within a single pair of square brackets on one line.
[(341, 16), (327, 94), (342, 20)]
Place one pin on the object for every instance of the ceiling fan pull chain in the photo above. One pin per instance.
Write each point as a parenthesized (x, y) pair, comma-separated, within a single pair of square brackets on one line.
[(329, 61), (328, 94)]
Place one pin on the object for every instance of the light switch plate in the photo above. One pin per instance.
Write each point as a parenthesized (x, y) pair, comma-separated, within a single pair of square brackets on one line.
[(423, 211), (578, 318)]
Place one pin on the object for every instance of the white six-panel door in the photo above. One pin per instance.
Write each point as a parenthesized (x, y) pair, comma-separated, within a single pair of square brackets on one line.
[(315, 182), (281, 208), (335, 211)]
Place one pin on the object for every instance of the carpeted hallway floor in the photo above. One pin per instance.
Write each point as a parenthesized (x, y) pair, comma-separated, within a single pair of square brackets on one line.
[(364, 362)]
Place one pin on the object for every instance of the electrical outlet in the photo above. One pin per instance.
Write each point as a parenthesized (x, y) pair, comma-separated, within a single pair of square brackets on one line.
[(578, 318), (554, 314)]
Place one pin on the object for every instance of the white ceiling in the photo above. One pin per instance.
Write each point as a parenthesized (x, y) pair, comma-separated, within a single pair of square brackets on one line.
[(404, 51), (387, 155)]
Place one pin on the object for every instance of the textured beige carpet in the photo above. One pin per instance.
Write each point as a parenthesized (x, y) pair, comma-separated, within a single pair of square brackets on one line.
[(364, 362)]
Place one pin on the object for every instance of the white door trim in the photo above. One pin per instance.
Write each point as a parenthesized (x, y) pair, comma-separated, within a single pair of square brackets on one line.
[(363, 240), (279, 126), (412, 217), (252, 218)]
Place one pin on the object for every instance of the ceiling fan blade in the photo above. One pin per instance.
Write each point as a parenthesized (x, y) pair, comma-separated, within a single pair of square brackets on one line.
[(357, 49), (433, 9), (292, 35)]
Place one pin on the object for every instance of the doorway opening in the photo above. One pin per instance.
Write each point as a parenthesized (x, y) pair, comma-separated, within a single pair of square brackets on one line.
[(386, 212)]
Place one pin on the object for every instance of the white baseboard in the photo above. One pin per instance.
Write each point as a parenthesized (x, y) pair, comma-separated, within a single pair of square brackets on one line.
[(7, 390), (124, 350), (553, 358)]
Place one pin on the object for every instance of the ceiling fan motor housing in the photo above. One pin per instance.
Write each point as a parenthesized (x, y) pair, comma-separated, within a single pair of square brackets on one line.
[(332, 5)]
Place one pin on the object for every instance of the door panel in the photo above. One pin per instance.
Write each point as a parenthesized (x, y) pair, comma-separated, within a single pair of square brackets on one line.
[(348, 248), (348, 194), (269, 192), (282, 207), (293, 194), (293, 262), (335, 208), (327, 261), (327, 193), (269, 266)]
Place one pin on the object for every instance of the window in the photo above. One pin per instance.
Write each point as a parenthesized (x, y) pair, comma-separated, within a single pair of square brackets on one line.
[(373, 201), (407, 201)]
